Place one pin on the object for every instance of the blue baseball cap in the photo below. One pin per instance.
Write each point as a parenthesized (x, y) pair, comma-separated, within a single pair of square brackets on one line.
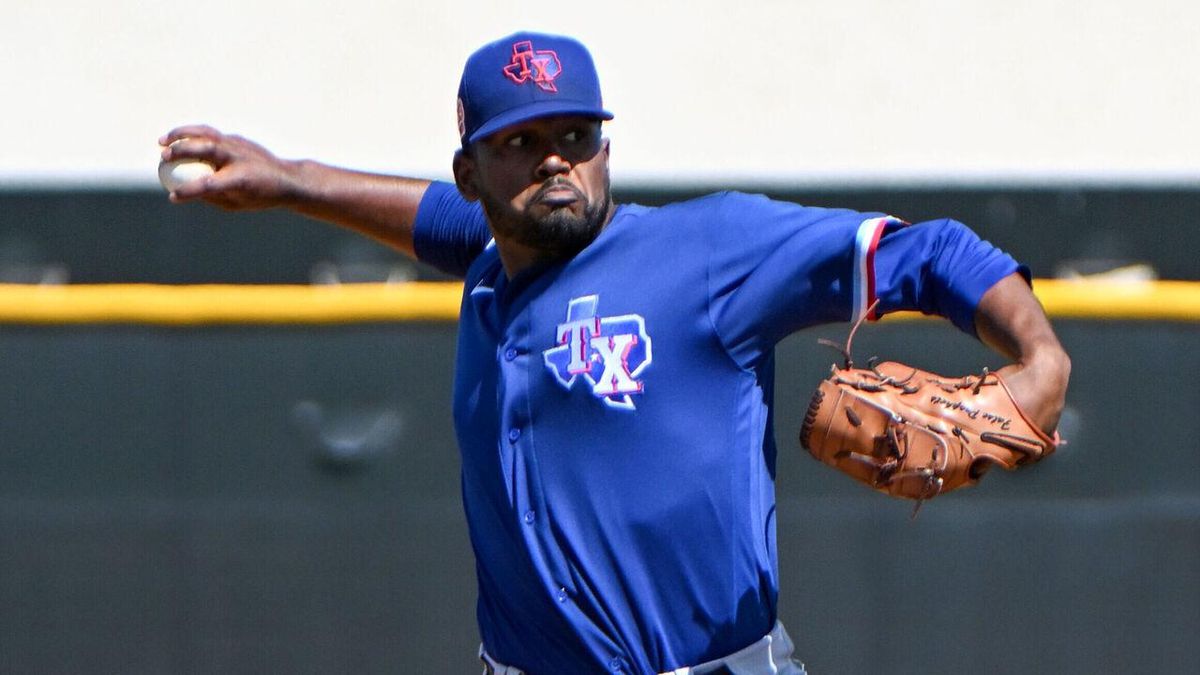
[(525, 76)]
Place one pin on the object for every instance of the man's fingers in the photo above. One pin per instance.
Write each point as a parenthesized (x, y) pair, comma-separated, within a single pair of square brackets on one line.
[(192, 189), (206, 187), (188, 131), (195, 147), (228, 188)]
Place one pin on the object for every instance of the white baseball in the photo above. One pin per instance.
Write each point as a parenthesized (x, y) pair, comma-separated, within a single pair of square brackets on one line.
[(177, 172)]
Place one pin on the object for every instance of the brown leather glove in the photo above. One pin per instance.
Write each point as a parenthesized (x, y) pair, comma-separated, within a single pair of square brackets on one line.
[(915, 434)]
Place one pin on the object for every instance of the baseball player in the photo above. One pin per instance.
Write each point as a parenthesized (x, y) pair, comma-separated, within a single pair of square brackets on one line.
[(613, 386)]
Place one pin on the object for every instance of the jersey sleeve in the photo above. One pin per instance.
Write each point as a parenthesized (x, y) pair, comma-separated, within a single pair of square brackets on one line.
[(777, 267), (449, 232), (938, 267)]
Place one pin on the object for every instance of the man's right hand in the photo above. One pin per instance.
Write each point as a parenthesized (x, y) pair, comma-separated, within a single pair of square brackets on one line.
[(247, 175)]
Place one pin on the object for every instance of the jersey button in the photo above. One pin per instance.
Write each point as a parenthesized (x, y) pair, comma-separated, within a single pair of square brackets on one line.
[(510, 354), (529, 517), (514, 434), (616, 665), (562, 595)]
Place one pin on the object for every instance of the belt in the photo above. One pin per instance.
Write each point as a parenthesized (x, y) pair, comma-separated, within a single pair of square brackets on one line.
[(493, 667), (771, 654)]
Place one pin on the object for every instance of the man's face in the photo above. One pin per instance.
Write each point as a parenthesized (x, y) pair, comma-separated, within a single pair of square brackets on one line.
[(542, 183)]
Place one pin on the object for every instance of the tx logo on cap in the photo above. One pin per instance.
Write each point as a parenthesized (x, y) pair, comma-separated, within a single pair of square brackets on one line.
[(542, 66)]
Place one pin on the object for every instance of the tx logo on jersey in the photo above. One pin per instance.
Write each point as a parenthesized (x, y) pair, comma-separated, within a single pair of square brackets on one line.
[(609, 352), (540, 66)]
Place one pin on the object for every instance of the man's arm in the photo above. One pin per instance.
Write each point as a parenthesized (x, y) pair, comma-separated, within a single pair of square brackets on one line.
[(1010, 320), (915, 434), (249, 177)]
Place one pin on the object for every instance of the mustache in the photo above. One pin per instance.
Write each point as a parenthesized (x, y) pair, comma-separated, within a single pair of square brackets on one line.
[(555, 183)]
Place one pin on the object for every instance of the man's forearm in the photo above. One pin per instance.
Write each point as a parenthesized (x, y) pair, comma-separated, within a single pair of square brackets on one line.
[(381, 207), (1011, 321)]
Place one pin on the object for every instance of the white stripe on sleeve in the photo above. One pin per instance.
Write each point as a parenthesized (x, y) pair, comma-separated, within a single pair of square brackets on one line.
[(865, 242)]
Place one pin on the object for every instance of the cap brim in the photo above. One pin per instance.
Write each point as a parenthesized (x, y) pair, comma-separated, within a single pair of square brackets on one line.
[(538, 110)]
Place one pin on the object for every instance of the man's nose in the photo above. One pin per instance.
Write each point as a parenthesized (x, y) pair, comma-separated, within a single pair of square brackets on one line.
[(552, 164)]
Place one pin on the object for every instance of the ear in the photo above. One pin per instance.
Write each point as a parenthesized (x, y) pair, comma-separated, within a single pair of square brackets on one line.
[(464, 175)]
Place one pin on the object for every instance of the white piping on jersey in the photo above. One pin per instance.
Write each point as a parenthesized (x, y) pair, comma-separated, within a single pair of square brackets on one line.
[(865, 242)]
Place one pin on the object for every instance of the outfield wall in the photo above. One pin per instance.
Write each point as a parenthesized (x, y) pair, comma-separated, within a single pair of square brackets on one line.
[(282, 496)]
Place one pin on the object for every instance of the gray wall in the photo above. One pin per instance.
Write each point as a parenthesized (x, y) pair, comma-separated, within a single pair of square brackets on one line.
[(166, 507), (138, 236), (285, 499)]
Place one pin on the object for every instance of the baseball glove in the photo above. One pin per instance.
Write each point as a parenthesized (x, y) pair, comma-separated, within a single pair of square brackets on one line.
[(915, 434)]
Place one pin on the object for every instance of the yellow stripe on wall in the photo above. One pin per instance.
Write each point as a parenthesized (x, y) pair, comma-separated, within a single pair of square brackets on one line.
[(439, 301), (225, 304), (1148, 300)]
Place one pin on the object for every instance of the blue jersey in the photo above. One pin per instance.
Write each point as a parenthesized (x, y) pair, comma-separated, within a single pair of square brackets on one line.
[(614, 412)]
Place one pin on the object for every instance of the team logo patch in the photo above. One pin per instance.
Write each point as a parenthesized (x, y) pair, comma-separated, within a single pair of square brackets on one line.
[(540, 66), (609, 353)]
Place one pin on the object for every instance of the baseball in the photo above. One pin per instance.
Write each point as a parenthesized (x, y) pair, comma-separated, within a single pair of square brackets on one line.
[(177, 172)]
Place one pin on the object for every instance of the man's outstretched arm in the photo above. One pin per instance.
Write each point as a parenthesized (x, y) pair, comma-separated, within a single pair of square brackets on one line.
[(249, 177), (1010, 320)]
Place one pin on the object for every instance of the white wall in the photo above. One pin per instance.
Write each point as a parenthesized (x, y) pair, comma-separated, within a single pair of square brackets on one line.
[(704, 90)]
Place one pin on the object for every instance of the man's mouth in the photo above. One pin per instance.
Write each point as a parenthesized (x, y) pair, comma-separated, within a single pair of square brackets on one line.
[(558, 194)]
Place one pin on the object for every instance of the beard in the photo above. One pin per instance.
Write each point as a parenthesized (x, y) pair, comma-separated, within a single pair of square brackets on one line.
[(558, 234)]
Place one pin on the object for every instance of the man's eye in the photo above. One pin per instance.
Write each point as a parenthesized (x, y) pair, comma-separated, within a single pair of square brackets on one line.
[(517, 141), (573, 136)]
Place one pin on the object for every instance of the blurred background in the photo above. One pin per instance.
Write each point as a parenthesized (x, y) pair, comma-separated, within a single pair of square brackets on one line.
[(284, 498)]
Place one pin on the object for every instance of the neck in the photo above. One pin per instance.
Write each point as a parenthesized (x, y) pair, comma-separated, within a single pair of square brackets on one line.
[(516, 257)]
